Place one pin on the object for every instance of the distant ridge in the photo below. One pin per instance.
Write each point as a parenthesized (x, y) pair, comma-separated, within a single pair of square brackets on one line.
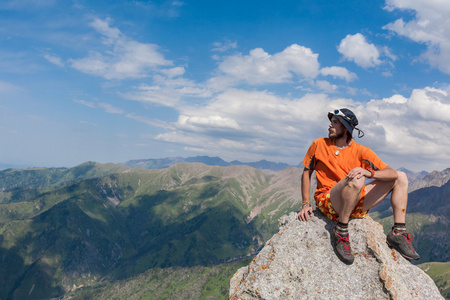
[(162, 163), (64, 229), (435, 178), (413, 176)]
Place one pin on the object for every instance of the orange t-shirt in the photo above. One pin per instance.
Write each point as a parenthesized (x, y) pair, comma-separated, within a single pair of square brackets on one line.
[(331, 168)]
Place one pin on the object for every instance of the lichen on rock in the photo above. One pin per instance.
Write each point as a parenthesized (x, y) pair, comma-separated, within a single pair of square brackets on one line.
[(298, 262)]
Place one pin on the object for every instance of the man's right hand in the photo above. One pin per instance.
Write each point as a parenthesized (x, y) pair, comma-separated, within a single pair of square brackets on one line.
[(303, 215)]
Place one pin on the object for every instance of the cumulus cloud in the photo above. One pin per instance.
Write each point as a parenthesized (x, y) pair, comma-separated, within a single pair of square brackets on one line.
[(255, 124), (259, 67), (404, 131), (411, 131), (429, 26), (339, 72), (123, 58), (356, 48), (216, 121), (326, 86)]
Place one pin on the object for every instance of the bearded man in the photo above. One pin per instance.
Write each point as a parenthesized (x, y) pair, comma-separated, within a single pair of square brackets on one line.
[(342, 167)]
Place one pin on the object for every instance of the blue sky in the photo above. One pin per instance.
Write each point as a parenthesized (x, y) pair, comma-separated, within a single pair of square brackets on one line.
[(110, 81)]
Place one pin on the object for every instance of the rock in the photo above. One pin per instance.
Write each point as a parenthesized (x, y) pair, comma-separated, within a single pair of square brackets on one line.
[(299, 263)]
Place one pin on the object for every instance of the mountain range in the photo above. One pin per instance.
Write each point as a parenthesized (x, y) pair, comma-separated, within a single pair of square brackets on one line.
[(162, 163), (60, 233), (75, 231)]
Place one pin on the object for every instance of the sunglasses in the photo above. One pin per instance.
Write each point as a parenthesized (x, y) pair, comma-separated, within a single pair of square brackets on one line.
[(338, 112)]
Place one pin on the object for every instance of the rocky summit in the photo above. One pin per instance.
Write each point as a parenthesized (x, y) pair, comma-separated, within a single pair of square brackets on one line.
[(298, 262)]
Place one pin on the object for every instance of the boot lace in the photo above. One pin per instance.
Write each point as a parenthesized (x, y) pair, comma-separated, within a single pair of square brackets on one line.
[(409, 239), (345, 244)]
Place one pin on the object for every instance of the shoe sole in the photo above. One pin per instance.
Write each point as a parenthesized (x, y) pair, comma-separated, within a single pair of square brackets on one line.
[(405, 256)]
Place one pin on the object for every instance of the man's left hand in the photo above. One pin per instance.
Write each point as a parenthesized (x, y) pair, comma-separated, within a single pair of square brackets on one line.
[(357, 173)]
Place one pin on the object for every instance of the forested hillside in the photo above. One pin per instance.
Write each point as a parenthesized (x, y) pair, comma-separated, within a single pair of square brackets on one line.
[(78, 231), (58, 236)]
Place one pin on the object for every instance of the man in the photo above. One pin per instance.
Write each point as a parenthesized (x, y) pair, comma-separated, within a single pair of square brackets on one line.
[(342, 166)]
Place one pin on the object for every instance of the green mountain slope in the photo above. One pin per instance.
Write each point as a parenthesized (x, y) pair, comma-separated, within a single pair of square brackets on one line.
[(121, 225), (440, 273), (97, 224), (188, 283), (45, 177)]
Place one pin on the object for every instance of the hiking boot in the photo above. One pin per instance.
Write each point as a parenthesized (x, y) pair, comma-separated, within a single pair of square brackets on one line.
[(341, 244), (403, 244)]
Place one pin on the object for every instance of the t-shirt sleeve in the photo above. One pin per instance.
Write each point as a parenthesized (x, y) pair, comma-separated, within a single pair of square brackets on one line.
[(371, 161), (309, 160)]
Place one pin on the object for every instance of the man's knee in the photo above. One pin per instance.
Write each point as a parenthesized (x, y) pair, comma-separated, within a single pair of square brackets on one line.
[(356, 184), (402, 179)]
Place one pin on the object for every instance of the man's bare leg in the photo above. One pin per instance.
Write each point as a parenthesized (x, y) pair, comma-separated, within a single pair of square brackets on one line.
[(398, 238), (345, 195), (399, 198), (377, 191)]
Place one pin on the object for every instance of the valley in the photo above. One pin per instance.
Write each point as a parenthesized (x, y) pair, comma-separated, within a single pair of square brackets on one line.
[(97, 228)]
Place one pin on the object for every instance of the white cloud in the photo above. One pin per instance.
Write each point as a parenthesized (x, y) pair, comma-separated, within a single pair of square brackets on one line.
[(56, 60), (326, 86), (154, 94), (225, 46), (429, 26), (411, 131), (356, 48), (388, 53), (124, 57), (85, 103), (339, 72), (207, 121), (260, 67), (404, 131), (431, 104), (173, 72), (110, 108), (167, 91), (253, 124)]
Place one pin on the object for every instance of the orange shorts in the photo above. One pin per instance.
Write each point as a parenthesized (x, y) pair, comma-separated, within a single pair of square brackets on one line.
[(324, 204)]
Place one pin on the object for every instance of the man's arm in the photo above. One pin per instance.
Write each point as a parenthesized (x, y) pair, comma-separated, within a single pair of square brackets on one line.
[(303, 215), (387, 174)]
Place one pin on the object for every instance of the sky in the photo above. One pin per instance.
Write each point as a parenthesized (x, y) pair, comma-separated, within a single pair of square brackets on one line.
[(112, 81)]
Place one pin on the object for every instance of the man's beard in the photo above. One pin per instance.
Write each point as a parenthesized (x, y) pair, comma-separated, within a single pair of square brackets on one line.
[(336, 135)]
